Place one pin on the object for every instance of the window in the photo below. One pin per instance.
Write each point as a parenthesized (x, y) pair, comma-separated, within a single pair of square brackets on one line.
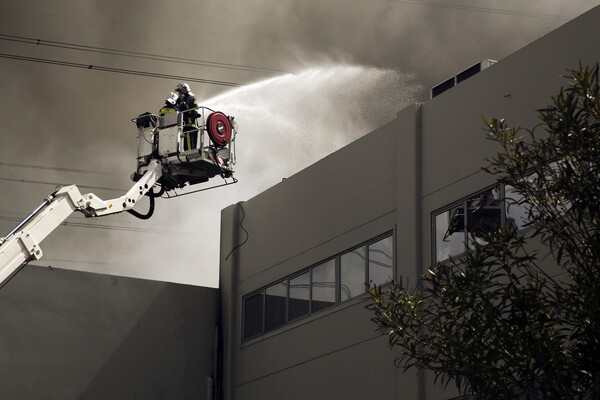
[(484, 214), (371, 263), (352, 273), (449, 233), (516, 209), (275, 306), (467, 221), (319, 287), (381, 259), (253, 315), (299, 296), (323, 286)]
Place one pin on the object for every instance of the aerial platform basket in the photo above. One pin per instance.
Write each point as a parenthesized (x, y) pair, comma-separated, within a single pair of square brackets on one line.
[(189, 155)]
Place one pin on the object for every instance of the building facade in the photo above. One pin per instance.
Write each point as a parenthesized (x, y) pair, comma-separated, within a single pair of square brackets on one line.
[(78, 335), (295, 258)]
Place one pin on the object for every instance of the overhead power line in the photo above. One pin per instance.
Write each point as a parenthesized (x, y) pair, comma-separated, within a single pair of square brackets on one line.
[(481, 9), (109, 227), (99, 225), (46, 167), (134, 54), (96, 262), (61, 184), (118, 70)]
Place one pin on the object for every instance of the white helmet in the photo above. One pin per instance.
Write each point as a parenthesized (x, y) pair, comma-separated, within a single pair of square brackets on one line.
[(183, 87), (172, 99)]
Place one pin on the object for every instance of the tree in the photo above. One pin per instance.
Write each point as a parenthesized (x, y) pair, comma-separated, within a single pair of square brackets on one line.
[(494, 321)]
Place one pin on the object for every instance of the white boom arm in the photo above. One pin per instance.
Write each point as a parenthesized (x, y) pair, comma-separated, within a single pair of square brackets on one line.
[(23, 243)]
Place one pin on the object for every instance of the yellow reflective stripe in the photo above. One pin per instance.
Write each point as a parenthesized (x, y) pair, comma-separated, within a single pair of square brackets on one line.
[(164, 111)]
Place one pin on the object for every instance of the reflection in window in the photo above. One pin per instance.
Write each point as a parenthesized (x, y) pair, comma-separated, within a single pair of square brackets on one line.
[(323, 286), (450, 233), (484, 214), (516, 208), (253, 315), (298, 305), (275, 305), (381, 259), (352, 271)]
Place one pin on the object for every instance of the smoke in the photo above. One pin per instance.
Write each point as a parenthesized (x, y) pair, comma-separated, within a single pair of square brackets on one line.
[(285, 124), (433, 38), (289, 122)]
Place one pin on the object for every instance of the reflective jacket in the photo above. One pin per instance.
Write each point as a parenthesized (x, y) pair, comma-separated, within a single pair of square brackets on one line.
[(168, 108), (188, 102)]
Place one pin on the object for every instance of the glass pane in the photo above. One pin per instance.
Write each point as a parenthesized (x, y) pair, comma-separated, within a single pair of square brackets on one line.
[(299, 296), (449, 233), (484, 214), (253, 315), (323, 286), (381, 261), (516, 208), (275, 306), (352, 271)]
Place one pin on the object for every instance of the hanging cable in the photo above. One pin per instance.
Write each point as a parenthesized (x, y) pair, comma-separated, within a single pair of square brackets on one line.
[(239, 204), (136, 214)]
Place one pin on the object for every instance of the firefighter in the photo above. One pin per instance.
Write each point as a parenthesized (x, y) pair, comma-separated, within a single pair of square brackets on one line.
[(188, 106), (170, 105)]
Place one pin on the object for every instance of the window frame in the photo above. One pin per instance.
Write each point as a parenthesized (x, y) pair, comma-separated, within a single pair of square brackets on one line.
[(289, 279), (335, 283), (364, 246), (463, 202), (244, 314), (368, 258), (286, 311), (337, 286)]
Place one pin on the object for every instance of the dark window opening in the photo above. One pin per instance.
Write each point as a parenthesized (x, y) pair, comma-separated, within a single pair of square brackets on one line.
[(253, 315), (467, 73)]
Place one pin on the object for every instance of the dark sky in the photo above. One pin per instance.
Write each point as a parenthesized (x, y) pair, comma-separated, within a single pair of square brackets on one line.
[(337, 68)]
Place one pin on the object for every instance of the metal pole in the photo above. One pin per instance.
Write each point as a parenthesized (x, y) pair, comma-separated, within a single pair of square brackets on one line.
[(35, 212)]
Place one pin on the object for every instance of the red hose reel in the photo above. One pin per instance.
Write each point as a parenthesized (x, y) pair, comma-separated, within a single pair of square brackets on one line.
[(219, 128)]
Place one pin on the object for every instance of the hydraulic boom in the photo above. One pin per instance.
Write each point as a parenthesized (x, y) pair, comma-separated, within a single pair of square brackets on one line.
[(23, 243)]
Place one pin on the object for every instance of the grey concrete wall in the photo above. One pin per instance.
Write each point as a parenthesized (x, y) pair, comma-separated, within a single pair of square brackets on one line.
[(231, 240), (346, 190), (75, 335)]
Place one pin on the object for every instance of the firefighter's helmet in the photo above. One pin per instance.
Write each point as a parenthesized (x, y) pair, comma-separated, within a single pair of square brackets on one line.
[(172, 99), (183, 88)]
